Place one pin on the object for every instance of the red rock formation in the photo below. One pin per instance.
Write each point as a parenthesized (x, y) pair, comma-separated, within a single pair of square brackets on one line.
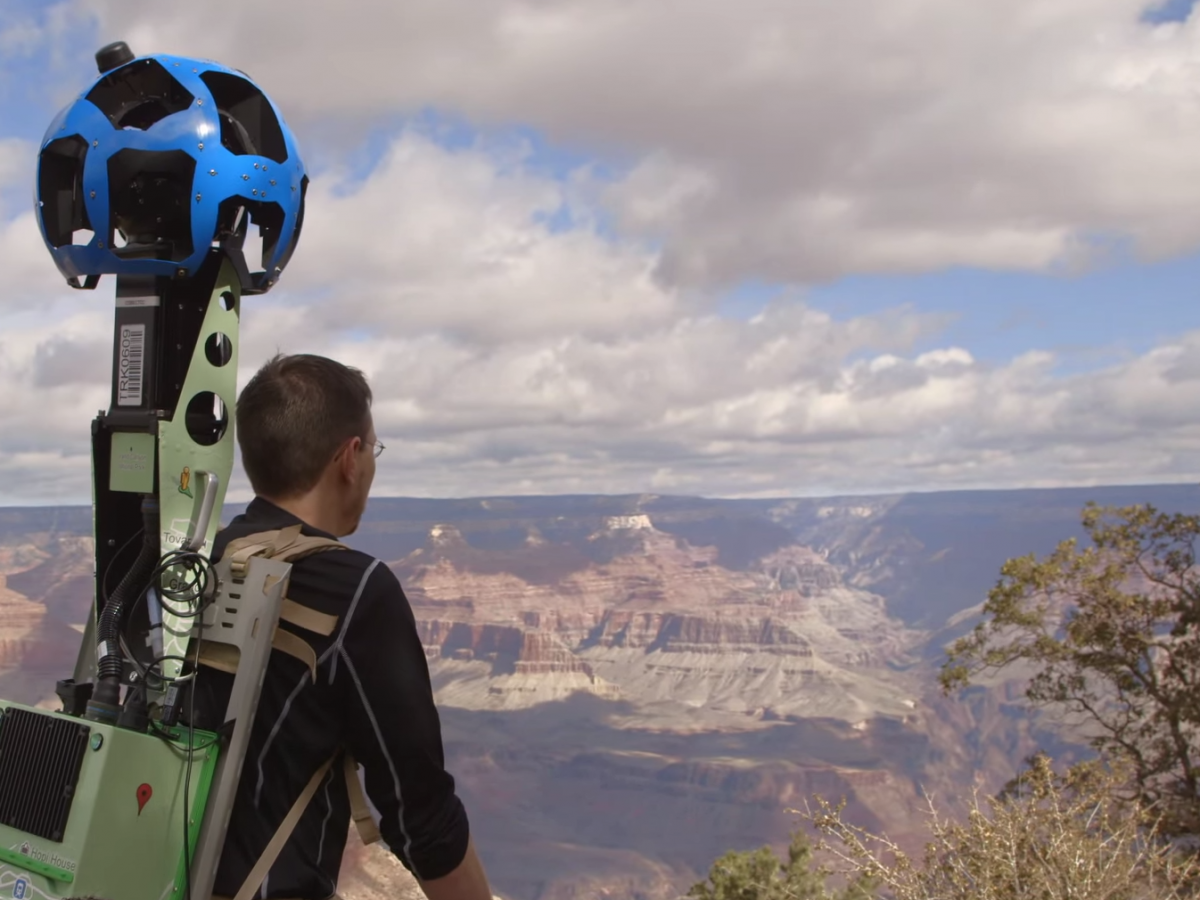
[(510, 648), (746, 689)]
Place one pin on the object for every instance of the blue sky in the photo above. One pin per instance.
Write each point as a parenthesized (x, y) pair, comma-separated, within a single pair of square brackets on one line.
[(1091, 319), (530, 299), (1120, 308), (1169, 11)]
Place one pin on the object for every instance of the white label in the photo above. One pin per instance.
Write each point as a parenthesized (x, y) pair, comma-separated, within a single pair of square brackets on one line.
[(126, 302), (130, 354)]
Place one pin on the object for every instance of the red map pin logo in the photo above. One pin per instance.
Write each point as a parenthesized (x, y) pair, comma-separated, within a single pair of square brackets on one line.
[(144, 792)]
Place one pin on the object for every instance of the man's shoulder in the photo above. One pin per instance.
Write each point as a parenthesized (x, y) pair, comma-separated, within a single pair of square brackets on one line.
[(330, 559)]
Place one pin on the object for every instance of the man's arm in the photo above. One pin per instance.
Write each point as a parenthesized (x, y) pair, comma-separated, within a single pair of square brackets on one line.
[(467, 882), (394, 731)]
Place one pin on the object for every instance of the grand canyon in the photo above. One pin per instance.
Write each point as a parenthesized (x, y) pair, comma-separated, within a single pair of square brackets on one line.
[(631, 686)]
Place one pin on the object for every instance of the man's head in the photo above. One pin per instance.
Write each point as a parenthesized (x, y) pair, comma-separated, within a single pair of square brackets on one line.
[(308, 440)]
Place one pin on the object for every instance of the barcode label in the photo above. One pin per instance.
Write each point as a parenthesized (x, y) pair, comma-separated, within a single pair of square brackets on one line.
[(131, 351)]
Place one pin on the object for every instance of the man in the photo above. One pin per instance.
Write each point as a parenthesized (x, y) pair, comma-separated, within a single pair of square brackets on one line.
[(309, 446)]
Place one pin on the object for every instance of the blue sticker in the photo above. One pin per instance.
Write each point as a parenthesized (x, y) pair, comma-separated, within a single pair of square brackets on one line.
[(20, 888)]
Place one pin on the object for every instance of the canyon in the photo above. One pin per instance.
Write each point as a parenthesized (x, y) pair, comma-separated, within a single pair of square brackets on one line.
[(631, 686)]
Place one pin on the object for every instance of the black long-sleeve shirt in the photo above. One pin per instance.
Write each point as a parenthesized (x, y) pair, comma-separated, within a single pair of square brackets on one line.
[(372, 695)]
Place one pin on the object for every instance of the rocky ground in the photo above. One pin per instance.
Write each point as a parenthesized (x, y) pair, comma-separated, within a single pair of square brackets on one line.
[(373, 873)]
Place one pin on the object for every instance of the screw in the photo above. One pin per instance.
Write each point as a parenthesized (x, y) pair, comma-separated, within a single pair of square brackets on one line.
[(272, 182), (256, 165), (201, 146), (255, 192), (245, 178), (199, 102), (95, 143), (100, 245), (212, 171), (197, 198), (97, 740), (93, 195)]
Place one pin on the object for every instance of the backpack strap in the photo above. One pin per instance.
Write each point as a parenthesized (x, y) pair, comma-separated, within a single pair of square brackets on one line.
[(285, 545), (360, 811), (282, 833), (368, 831), (224, 657), (307, 618)]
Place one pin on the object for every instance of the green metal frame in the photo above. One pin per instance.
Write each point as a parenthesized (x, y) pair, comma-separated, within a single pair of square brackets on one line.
[(182, 461)]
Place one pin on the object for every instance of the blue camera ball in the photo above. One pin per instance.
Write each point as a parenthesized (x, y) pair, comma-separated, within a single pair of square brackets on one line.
[(161, 160)]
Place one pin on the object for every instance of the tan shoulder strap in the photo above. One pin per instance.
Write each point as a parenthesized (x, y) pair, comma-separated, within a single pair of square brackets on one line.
[(307, 618), (225, 657), (280, 838), (368, 831), (296, 646), (285, 545)]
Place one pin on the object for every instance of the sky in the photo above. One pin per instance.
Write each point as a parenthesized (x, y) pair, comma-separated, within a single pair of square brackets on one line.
[(772, 248)]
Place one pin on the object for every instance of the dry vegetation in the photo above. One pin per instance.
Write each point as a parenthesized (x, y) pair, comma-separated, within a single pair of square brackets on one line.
[(1052, 836)]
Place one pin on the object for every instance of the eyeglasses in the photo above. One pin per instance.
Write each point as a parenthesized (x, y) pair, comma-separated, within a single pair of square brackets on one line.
[(379, 448)]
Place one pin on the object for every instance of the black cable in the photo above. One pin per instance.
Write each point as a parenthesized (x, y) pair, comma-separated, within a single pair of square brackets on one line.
[(192, 563), (105, 697), (203, 571), (108, 569), (156, 663), (172, 738), (192, 594)]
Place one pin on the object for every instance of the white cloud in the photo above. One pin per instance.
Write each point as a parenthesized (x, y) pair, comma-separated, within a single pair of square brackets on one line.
[(582, 374), (776, 139), (17, 163), (769, 140), (437, 240), (31, 280)]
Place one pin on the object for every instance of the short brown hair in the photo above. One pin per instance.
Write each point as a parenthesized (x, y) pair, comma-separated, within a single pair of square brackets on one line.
[(293, 415)]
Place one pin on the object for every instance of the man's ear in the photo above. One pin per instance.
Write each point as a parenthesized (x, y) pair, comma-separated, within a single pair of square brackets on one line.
[(347, 458)]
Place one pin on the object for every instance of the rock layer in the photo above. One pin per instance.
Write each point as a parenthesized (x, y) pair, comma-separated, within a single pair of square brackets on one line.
[(659, 621)]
